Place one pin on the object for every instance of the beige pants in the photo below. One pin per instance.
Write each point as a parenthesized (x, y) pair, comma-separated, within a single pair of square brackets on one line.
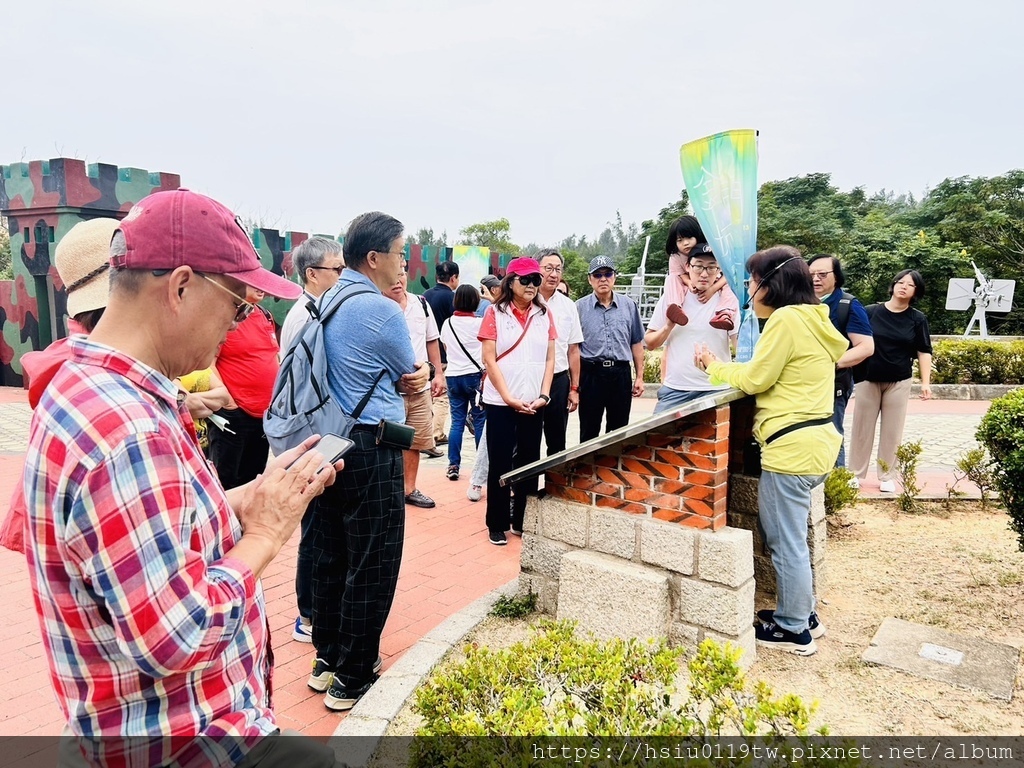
[(441, 410), (873, 399)]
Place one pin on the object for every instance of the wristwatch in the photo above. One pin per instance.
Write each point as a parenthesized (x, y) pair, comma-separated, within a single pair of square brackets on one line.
[(544, 397), (433, 370)]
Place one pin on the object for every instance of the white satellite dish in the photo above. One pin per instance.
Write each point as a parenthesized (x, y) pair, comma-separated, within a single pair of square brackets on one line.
[(987, 296)]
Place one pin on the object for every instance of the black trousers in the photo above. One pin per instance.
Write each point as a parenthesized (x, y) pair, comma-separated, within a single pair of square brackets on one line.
[(358, 529), (241, 456), (556, 414), (513, 440), (304, 565), (604, 391)]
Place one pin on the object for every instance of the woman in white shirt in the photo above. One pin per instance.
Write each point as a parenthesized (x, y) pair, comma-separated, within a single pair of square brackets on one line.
[(465, 368), (518, 338)]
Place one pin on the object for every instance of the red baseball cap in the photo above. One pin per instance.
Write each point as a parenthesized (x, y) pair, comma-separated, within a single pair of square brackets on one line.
[(178, 227), (524, 265)]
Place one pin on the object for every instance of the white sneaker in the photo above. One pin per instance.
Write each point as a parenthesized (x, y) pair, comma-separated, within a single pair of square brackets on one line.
[(475, 492), (887, 486), (854, 483)]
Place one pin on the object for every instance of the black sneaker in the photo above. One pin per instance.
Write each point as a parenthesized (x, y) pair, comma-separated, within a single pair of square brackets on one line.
[(814, 625), (417, 499), (498, 538), (771, 635), (322, 676), (453, 472), (339, 699)]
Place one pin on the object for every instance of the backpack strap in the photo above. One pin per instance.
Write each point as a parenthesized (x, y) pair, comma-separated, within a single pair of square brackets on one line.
[(423, 303), (521, 337), (366, 398), (843, 313)]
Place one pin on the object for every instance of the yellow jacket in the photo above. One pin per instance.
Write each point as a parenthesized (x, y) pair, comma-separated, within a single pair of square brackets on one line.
[(792, 375)]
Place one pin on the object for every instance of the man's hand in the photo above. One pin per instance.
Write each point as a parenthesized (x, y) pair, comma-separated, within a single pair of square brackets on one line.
[(638, 385), (574, 400), (438, 385), (415, 381), (197, 407), (276, 501)]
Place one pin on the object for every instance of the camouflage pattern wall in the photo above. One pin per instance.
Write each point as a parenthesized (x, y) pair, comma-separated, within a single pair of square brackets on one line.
[(43, 199)]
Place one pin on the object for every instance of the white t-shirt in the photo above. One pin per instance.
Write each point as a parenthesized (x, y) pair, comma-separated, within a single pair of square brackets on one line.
[(567, 323), (467, 329), (295, 321), (680, 372), (422, 327)]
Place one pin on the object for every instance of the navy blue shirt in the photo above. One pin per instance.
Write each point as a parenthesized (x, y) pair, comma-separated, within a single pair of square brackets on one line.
[(609, 333), (857, 322)]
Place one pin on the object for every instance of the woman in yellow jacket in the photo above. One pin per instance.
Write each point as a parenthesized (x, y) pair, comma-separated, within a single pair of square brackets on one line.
[(791, 375)]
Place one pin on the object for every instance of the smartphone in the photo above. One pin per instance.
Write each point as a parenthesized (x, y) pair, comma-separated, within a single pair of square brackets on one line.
[(333, 447)]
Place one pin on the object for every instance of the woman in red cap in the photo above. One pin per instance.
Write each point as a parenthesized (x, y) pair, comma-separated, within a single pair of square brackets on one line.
[(518, 338)]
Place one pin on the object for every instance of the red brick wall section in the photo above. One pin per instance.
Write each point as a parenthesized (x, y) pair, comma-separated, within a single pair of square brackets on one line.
[(678, 473)]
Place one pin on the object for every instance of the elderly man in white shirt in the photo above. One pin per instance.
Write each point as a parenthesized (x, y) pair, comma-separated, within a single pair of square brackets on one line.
[(318, 262)]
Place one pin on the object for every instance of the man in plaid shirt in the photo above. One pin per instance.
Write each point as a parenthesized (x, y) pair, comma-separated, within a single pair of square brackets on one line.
[(145, 572)]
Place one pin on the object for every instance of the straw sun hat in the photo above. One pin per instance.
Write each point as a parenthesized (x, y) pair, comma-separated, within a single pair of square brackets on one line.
[(82, 259)]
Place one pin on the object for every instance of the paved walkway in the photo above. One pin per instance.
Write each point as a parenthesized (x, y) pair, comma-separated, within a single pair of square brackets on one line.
[(448, 564)]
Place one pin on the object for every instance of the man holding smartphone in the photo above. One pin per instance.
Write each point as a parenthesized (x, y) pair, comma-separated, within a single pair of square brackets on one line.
[(358, 528)]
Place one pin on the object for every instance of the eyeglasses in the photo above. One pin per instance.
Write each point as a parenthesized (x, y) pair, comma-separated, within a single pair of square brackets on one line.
[(553, 269), (820, 275), (391, 253), (603, 275), (535, 280), (243, 309), (703, 269), (335, 270)]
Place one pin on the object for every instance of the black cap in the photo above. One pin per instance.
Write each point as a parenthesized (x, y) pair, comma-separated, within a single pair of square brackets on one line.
[(701, 249)]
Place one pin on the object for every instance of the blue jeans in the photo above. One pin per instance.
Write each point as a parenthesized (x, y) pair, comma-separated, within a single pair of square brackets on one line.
[(838, 414), (461, 393), (669, 398), (784, 504)]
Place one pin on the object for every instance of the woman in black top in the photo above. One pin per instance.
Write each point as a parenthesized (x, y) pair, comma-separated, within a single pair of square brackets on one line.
[(901, 335)]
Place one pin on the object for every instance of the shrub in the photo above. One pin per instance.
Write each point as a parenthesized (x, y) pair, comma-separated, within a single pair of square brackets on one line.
[(514, 607), (838, 491), (976, 466), (652, 366), (907, 456), (978, 362), (559, 684), (1002, 432)]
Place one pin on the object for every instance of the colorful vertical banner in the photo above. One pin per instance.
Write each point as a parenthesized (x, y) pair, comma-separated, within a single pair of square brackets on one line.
[(474, 262), (720, 174)]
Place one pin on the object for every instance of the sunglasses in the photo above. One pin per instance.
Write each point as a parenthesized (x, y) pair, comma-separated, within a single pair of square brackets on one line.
[(603, 275), (243, 309), (535, 280), (335, 270)]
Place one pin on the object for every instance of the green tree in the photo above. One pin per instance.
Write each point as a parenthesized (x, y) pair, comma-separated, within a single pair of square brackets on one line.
[(657, 229), (806, 212), (425, 236), (6, 262), (495, 235)]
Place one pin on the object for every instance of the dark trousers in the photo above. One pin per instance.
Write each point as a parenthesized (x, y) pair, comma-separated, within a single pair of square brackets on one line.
[(513, 440), (838, 414), (304, 565), (556, 414), (604, 391), (238, 457), (357, 534)]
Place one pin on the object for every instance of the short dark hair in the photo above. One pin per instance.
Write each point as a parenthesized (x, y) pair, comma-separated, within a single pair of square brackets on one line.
[(918, 283), (467, 298), (684, 226), (837, 267), (549, 252), (312, 252), (783, 276), (373, 231), (445, 271)]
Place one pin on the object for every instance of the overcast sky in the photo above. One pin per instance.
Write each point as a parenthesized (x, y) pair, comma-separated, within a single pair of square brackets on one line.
[(552, 113)]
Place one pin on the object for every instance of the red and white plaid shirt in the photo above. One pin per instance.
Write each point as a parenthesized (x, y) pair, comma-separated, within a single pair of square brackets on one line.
[(150, 627)]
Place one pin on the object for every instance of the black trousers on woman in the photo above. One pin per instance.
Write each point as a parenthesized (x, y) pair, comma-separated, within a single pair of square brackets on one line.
[(513, 440)]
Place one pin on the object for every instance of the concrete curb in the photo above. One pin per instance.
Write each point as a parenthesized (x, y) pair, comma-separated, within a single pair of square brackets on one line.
[(372, 714)]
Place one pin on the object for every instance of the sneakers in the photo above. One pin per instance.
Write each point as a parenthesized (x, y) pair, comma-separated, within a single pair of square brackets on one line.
[(498, 538), (323, 676), (516, 531), (302, 631), (320, 679), (887, 486), (417, 499), (771, 635), (442, 440), (475, 492), (453, 472), (675, 313), (339, 699), (814, 625), (722, 320), (433, 453), (854, 483)]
